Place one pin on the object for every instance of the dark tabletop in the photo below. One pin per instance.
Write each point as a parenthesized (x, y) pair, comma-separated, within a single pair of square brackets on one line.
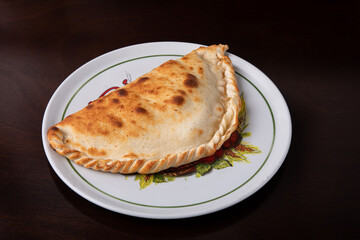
[(309, 50)]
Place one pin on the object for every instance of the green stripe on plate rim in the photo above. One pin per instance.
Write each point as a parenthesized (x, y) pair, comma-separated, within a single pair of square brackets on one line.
[(181, 206)]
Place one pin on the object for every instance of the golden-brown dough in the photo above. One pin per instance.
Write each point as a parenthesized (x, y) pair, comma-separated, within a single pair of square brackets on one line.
[(179, 112)]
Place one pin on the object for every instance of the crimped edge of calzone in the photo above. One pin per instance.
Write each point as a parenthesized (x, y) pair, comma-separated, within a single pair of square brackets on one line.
[(214, 54)]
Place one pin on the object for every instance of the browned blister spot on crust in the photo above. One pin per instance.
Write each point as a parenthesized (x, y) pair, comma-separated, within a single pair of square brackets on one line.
[(122, 92), (103, 132), (115, 100), (130, 155), (54, 129), (141, 110), (96, 152), (143, 79), (191, 81), (90, 106), (170, 67), (160, 107), (178, 100), (200, 70), (89, 127), (152, 91), (170, 62), (133, 133), (196, 132), (182, 92), (116, 121)]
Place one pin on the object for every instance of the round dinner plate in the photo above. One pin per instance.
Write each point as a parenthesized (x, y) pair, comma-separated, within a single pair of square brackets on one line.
[(268, 131)]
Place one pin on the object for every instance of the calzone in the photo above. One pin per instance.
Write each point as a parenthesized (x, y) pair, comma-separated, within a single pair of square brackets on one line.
[(175, 114)]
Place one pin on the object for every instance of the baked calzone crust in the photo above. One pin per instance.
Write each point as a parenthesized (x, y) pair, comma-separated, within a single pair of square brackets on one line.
[(178, 113)]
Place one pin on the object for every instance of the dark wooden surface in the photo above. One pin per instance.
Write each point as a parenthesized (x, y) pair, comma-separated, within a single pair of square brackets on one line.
[(309, 50)]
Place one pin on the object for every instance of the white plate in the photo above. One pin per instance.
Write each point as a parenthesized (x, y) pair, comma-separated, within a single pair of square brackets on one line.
[(269, 123)]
